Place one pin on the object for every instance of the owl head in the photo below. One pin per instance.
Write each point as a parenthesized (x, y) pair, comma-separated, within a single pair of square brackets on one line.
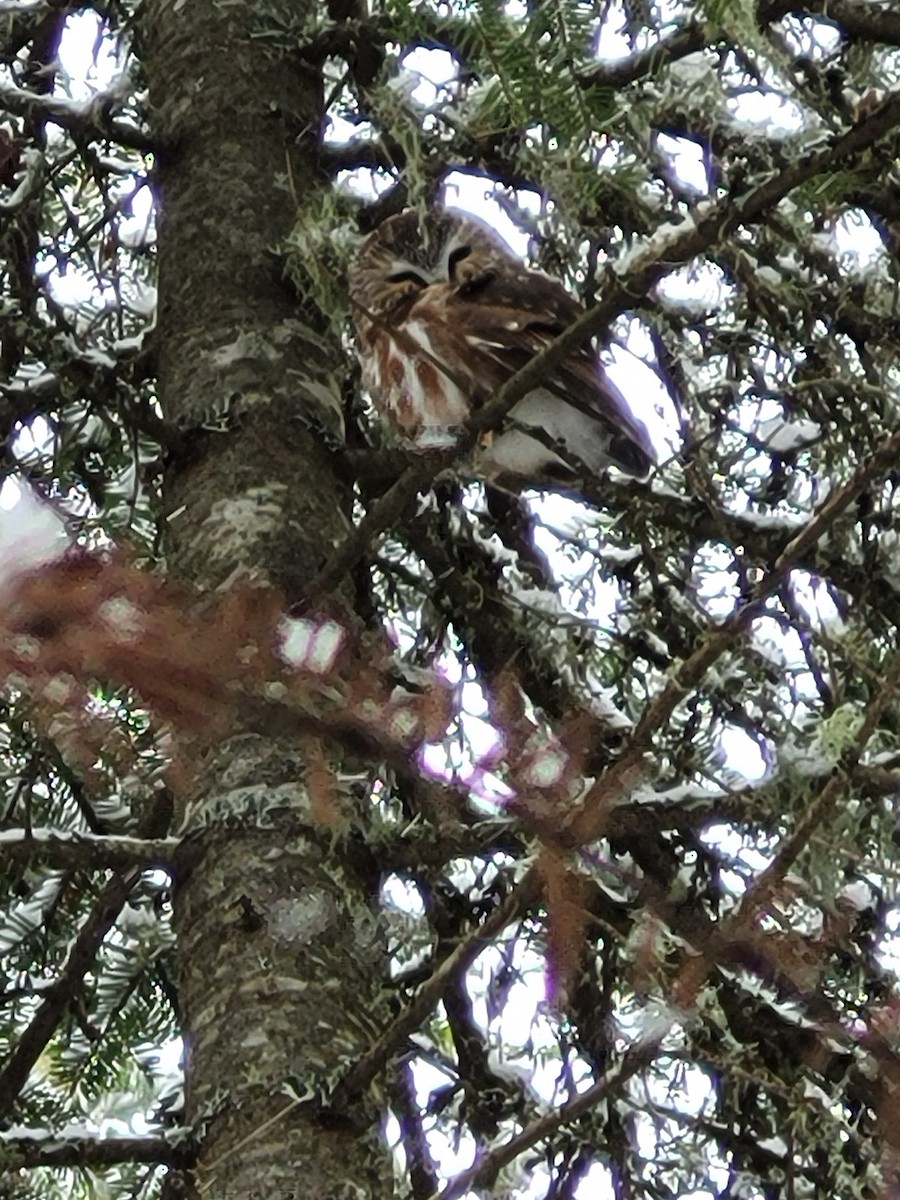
[(409, 252)]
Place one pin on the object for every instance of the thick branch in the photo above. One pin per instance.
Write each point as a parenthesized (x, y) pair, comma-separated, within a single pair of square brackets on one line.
[(485, 1170), (688, 39), (641, 270), (429, 994), (84, 851), (26, 1152), (83, 119), (874, 22)]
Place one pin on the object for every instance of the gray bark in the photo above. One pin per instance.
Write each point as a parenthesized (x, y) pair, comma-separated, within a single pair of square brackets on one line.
[(282, 971)]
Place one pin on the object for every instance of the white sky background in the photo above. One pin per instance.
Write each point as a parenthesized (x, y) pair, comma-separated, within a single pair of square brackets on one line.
[(854, 240), (522, 1023), (523, 1035)]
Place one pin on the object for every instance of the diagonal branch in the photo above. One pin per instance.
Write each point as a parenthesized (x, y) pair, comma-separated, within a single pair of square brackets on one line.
[(591, 820), (358, 1078), (638, 272), (763, 888), (688, 38), (484, 1171), (858, 19), (56, 998), (83, 119)]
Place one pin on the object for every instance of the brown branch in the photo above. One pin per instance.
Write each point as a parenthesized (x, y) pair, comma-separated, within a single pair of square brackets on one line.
[(57, 997), (589, 823), (84, 851), (587, 826), (62, 991), (27, 1152), (870, 21), (358, 1078), (484, 1172), (471, 587), (698, 521), (688, 39), (761, 891), (90, 119), (103, 383), (405, 1103), (642, 270), (689, 516), (824, 1041)]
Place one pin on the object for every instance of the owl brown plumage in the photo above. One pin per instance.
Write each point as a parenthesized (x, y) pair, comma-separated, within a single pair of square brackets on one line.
[(445, 314)]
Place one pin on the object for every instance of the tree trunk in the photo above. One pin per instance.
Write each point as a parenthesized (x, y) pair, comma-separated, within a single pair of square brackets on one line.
[(281, 957)]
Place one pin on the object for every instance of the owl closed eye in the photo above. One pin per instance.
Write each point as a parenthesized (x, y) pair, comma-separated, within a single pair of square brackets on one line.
[(445, 314)]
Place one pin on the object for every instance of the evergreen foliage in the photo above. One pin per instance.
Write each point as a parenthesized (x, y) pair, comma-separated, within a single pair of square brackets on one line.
[(622, 767)]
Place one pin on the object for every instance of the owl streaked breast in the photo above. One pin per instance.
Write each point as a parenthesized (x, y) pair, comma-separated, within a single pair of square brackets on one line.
[(445, 314)]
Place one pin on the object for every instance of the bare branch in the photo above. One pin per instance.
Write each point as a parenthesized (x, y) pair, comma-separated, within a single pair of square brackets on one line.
[(28, 1152), (57, 997), (484, 1171), (872, 21), (632, 279), (688, 39), (391, 1039), (590, 822), (84, 119), (86, 851)]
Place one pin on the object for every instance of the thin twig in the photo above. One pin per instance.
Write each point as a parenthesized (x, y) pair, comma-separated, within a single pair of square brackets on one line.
[(589, 823), (670, 246), (483, 1172), (394, 1036)]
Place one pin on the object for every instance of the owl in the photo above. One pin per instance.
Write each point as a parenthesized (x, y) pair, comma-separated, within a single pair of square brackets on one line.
[(445, 313)]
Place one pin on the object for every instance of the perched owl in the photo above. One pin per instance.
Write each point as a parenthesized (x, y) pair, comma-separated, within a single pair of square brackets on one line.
[(445, 314)]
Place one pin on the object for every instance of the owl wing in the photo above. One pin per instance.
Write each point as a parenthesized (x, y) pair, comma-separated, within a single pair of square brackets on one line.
[(508, 316)]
